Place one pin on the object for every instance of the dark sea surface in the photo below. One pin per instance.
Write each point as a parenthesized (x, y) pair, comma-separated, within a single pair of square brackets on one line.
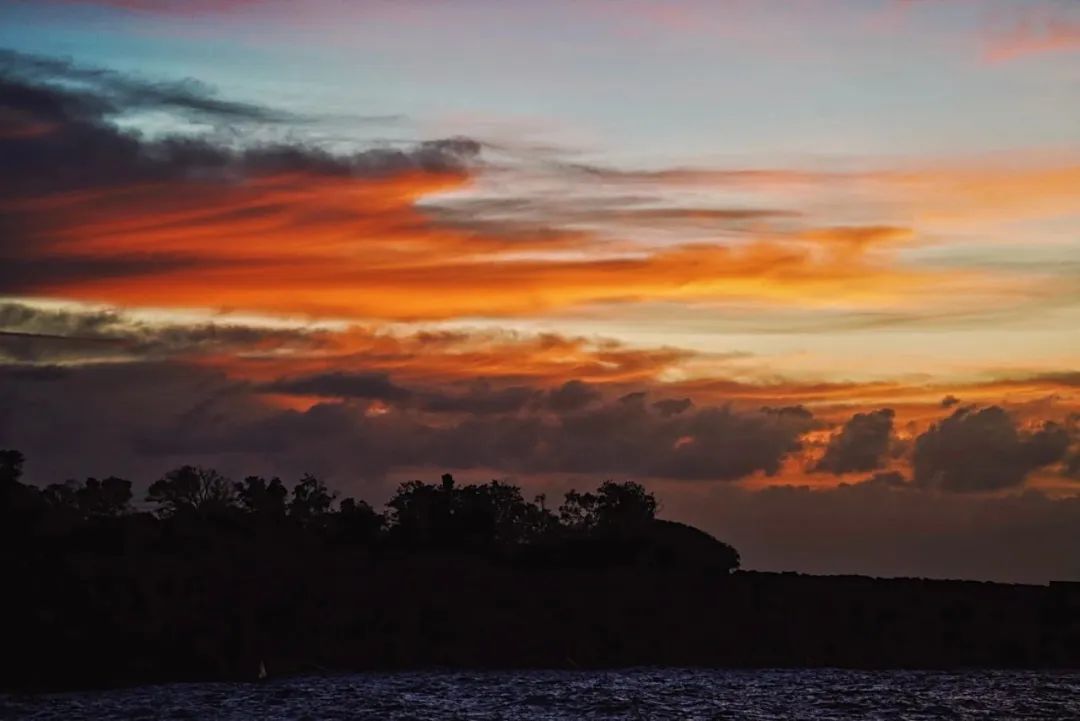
[(629, 694)]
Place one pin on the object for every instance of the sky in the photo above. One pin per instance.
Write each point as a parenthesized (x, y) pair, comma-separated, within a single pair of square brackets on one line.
[(810, 270)]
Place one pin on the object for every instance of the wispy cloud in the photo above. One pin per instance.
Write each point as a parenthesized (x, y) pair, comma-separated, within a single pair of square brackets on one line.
[(1036, 29), (99, 213)]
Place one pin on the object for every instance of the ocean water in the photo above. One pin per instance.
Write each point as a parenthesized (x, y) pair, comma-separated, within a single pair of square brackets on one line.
[(630, 694)]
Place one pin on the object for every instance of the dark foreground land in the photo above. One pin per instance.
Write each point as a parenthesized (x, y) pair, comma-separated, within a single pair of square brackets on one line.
[(452, 576)]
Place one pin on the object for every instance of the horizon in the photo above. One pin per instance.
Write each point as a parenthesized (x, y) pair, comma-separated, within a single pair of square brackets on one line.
[(806, 271)]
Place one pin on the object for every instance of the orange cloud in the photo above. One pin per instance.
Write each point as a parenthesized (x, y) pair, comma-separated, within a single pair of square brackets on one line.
[(545, 360), (361, 248), (1032, 35), (975, 192), (424, 282), (387, 374), (100, 214)]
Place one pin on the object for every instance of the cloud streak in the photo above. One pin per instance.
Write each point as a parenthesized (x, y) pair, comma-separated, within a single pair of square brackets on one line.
[(1035, 30), (99, 213)]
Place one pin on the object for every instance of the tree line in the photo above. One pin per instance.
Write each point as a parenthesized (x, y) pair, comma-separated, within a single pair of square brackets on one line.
[(207, 578), (487, 518)]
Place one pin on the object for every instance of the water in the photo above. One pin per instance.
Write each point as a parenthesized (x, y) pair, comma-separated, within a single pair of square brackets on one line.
[(633, 694)]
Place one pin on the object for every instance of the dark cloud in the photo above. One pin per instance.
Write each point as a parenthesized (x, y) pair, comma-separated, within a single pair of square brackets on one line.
[(1062, 378), (860, 445), (43, 335), (794, 414), (481, 399), (949, 401), (672, 406), (21, 318), (79, 420), (1072, 465), (371, 386), (515, 425), (628, 437), (24, 276), (81, 92), (35, 348), (572, 396), (33, 373), (134, 415), (58, 136), (534, 214), (139, 419), (691, 176), (478, 398), (984, 450), (61, 145)]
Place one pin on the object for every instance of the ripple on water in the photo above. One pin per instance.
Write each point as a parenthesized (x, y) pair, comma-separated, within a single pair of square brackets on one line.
[(814, 695)]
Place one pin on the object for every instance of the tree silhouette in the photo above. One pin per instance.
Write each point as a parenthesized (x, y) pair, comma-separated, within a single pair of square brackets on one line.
[(311, 500), (493, 515), (191, 489), (624, 505), (109, 497), (420, 514), (93, 499), (19, 503), (490, 516), (262, 498), (11, 465), (358, 522), (578, 511), (614, 507), (62, 495)]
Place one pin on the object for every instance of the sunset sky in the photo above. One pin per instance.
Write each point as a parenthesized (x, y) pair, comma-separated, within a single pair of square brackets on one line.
[(810, 270)]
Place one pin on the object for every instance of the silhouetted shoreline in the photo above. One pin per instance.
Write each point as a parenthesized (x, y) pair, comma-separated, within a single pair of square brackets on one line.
[(227, 577)]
